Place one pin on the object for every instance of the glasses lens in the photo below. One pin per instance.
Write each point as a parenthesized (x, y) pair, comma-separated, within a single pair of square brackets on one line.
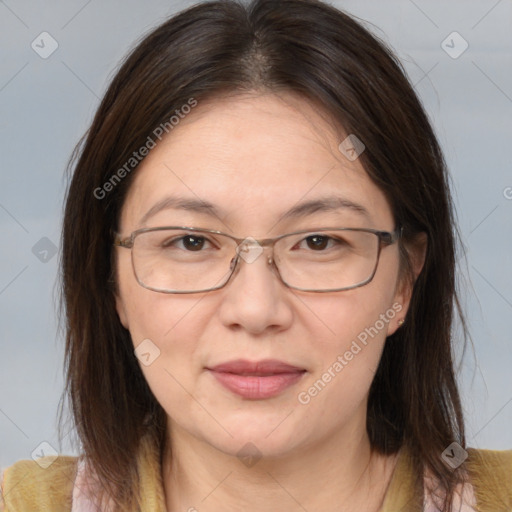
[(327, 259), (181, 260), (173, 260)]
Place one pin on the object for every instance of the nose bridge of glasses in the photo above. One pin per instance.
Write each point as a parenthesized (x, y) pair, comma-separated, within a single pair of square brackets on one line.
[(251, 249)]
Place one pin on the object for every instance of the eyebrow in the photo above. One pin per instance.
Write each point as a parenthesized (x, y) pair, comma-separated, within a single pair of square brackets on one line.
[(324, 204), (181, 203)]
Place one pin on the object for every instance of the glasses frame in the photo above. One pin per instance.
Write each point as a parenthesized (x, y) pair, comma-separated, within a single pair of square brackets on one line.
[(386, 238)]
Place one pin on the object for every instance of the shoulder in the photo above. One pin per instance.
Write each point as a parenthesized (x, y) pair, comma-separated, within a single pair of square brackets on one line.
[(45, 484), (491, 464), (490, 473)]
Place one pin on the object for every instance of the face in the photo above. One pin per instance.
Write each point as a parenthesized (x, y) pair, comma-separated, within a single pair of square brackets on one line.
[(255, 157)]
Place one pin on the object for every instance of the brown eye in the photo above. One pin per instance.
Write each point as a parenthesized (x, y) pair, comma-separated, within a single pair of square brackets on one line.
[(189, 243), (317, 241), (193, 243)]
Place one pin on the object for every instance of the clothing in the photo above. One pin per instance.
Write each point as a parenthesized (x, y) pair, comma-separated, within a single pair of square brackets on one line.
[(62, 486)]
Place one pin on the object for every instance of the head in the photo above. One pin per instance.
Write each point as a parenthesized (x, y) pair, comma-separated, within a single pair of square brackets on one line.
[(249, 109), (243, 140)]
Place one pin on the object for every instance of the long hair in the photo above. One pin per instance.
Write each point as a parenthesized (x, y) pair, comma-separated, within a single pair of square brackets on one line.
[(227, 47)]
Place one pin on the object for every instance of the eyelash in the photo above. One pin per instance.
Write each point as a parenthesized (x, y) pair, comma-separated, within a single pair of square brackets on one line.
[(168, 243)]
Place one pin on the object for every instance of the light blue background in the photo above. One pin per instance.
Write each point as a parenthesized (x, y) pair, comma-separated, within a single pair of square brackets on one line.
[(46, 104)]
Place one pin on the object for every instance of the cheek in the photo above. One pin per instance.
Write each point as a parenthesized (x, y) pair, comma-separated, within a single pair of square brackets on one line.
[(354, 328), (165, 328), (170, 322), (340, 385), (157, 316), (335, 321)]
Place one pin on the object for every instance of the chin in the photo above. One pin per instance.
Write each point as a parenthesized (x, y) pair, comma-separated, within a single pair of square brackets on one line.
[(252, 438)]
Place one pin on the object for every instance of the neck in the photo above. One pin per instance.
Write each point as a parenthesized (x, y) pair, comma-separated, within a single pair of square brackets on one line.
[(339, 474)]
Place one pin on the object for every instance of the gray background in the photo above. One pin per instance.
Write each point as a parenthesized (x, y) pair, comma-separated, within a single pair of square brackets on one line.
[(46, 104)]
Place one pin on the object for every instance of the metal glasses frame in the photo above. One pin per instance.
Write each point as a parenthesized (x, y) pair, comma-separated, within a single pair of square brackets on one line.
[(386, 238)]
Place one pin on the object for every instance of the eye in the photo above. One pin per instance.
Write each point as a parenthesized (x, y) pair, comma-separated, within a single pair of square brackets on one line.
[(191, 243), (319, 242), (194, 243)]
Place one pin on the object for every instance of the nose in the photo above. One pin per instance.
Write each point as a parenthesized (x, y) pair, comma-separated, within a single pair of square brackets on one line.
[(255, 299)]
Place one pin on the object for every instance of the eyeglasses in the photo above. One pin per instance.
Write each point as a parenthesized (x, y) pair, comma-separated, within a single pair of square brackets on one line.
[(177, 259)]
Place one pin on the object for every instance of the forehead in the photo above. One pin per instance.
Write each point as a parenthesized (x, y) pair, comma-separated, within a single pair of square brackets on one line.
[(254, 157)]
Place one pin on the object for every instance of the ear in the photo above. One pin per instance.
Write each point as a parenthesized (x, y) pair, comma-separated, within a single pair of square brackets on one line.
[(417, 251)]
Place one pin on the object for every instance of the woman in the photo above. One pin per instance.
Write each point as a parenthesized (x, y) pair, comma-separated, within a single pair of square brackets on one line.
[(258, 279)]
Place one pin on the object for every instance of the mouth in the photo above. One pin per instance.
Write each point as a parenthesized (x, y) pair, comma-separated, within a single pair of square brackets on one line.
[(257, 380)]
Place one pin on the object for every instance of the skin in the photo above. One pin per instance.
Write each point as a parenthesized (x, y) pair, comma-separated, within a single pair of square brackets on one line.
[(255, 156)]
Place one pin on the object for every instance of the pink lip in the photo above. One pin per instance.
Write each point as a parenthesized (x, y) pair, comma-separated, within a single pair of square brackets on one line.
[(257, 380)]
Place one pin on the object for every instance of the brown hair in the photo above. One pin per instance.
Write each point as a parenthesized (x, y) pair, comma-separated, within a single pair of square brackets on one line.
[(323, 54)]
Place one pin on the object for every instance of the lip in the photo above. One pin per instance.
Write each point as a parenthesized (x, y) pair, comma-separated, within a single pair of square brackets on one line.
[(257, 380)]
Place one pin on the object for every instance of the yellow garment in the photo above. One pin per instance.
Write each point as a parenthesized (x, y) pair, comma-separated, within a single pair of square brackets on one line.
[(490, 473), (27, 487)]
